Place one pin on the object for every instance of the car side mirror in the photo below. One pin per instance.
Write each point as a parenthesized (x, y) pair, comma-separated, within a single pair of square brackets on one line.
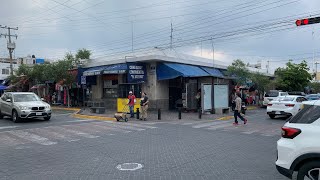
[(8, 100)]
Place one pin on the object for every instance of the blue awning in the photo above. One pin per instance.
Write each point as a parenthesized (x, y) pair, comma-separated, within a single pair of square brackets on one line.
[(2, 87), (94, 71), (174, 70), (109, 69), (213, 72)]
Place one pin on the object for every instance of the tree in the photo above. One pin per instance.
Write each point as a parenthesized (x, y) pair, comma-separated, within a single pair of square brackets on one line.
[(239, 69), (83, 54), (261, 81), (294, 77), (315, 87)]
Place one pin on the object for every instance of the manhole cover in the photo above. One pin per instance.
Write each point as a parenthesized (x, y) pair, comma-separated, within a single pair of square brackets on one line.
[(129, 166)]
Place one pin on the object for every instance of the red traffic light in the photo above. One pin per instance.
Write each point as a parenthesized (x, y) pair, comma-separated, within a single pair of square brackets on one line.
[(301, 22), (298, 22)]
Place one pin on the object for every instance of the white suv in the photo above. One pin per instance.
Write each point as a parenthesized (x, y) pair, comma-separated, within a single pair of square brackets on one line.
[(299, 147)]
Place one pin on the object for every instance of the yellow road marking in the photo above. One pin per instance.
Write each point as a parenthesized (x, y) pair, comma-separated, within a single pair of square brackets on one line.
[(67, 109), (225, 118), (93, 117)]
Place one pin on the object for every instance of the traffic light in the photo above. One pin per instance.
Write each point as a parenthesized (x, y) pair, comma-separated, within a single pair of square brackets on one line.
[(301, 22)]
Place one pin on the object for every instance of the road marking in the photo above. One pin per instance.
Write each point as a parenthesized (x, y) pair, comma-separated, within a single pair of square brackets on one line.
[(249, 132), (8, 140), (219, 126), (119, 125), (8, 127), (140, 125), (32, 137), (109, 128), (51, 133), (209, 124), (75, 132)]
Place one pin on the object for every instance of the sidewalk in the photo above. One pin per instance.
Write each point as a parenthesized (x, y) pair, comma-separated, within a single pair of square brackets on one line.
[(85, 113)]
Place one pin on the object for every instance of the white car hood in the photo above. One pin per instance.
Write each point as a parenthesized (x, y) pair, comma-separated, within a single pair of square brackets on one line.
[(31, 103)]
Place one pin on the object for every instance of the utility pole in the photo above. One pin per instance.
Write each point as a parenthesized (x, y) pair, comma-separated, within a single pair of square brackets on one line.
[(171, 35), (268, 67), (316, 70), (10, 45), (212, 51)]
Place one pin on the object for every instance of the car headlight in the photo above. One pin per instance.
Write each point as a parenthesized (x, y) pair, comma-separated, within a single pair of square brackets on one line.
[(23, 108), (48, 107)]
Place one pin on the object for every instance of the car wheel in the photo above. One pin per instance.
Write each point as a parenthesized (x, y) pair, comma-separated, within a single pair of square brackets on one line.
[(310, 170), (15, 116), (47, 118), (272, 116)]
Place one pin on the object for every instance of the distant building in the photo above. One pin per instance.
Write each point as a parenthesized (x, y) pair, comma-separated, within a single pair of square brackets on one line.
[(5, 67)]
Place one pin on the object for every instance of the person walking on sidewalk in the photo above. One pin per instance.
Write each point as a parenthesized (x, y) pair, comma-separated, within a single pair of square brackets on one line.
[(132, 100), (144, 103), (237, 110)]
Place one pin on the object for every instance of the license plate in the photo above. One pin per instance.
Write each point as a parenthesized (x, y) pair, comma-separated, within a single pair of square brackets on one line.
[(39, 114), (277, 112)]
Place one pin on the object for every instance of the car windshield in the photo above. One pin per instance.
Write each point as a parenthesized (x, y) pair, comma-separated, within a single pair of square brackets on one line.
[(286, 99), (25, 97), (273, 94)]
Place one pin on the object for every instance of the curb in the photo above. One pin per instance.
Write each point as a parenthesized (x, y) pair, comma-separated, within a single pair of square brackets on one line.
[(93, 117), (225, 118), (66, 109), (251, 108)]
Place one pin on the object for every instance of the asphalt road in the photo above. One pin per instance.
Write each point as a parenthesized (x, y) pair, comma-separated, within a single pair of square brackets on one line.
[(69, 148)]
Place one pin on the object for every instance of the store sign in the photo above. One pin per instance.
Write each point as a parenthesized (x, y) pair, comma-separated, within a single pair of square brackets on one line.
[(136, 72), (122, 71), (91, 73)]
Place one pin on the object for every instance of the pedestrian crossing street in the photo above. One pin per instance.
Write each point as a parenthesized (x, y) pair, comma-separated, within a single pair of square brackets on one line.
[(52, 135), (254, 128)]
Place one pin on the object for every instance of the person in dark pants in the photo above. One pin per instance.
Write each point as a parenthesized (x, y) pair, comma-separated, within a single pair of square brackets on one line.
[(237, 110), (132, 100)]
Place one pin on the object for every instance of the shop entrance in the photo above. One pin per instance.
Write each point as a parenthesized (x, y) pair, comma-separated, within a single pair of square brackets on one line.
[(175, 93)]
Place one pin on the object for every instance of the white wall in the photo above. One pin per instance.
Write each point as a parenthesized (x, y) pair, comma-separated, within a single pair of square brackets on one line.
[(6, 66)]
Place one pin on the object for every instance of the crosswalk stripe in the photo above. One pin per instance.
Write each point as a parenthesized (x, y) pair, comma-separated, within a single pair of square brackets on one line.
[(85, 127), (52, 134), (32, 137), (108, 128), (75, 132), (118, 125), (219, 126), (7, 140), (141, 126), (8, 127), (210, 124)]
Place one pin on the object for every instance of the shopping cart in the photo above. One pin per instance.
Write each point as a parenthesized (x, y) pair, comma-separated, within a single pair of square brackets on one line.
[(122, 115)]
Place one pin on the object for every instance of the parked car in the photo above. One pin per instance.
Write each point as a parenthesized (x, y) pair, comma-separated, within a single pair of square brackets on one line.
[(271, 95), (23, 105), (298, 151), (285, 106), (311, 97)]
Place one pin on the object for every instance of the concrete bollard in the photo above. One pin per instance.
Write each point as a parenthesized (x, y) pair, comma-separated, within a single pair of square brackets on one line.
[(179, 113), (200, 113)]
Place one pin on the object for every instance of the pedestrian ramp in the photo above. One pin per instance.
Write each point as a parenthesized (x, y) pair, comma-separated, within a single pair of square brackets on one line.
[(52, 135)]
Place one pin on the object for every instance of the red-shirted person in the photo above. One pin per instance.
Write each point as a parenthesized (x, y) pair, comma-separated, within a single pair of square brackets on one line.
[(132, 100)]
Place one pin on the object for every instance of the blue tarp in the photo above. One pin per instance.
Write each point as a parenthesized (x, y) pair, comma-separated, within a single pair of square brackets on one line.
[(174, 70), (2, 87), (109, 69), (213, 72)]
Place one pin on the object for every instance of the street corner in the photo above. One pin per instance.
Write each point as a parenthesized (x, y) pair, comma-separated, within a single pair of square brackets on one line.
[(252, 108), (225, 118), (101, 118), (65, 108)]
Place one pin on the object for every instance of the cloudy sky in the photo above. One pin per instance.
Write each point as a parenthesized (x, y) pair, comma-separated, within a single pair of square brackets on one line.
[(251, 30)]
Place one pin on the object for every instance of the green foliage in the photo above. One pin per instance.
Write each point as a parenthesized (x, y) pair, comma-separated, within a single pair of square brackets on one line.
[(83, 54), (261, 81), (294, 77), (239, 69), (315, 86)]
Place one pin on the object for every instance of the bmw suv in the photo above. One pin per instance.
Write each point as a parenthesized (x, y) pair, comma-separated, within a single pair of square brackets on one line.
[(299, 147), (23, 105)]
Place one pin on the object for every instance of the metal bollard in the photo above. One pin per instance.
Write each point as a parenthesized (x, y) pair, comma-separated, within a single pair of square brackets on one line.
[(159, 114), (179, 113), (200, 113), (138, 113)]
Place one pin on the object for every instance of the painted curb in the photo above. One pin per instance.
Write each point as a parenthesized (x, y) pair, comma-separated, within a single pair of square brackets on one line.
[(93, 117), (66, 109), (225, 118)]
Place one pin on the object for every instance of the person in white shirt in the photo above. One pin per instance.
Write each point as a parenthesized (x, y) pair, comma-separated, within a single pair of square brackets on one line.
[(238, 102)]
